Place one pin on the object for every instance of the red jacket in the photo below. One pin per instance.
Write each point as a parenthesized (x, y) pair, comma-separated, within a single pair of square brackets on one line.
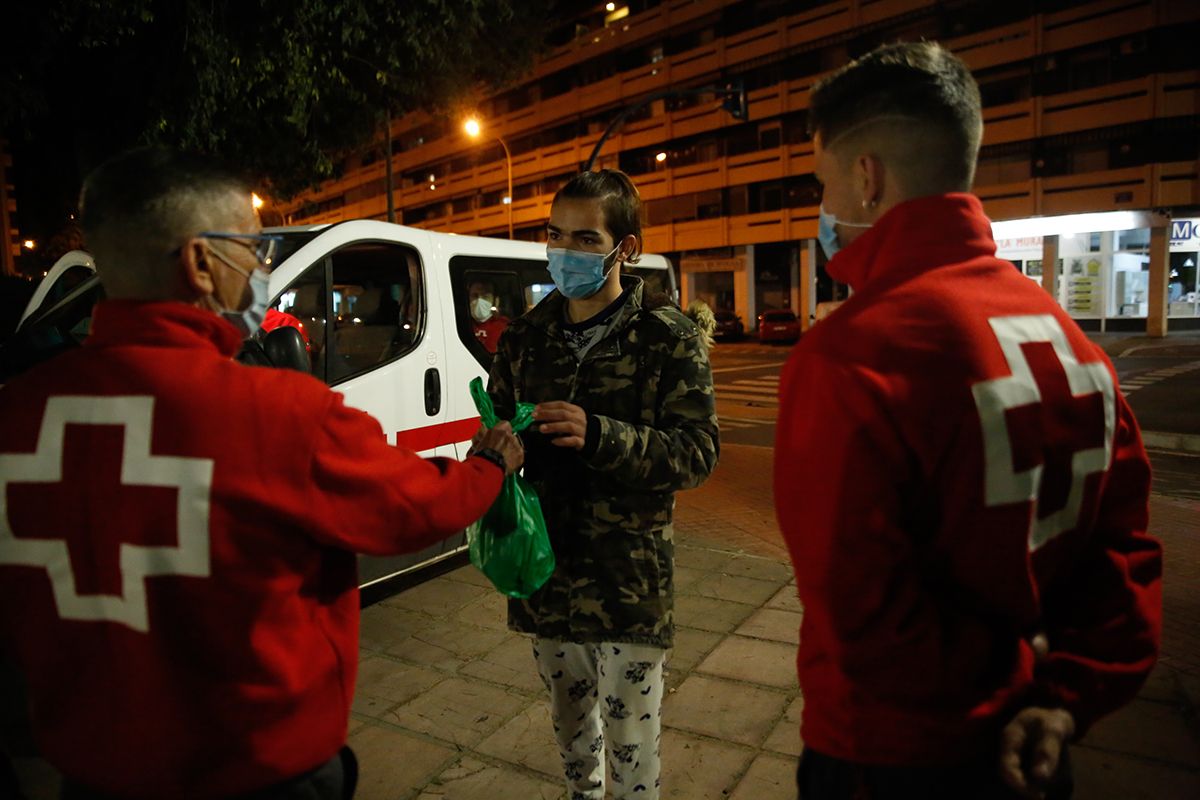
[(177, 534), (488, 332), (955, 470)]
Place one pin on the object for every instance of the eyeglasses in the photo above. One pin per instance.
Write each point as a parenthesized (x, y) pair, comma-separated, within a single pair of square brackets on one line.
[(265, 246)]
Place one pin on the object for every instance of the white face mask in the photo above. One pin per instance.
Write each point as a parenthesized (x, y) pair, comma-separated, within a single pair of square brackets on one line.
[(482, 309), (249, 319)]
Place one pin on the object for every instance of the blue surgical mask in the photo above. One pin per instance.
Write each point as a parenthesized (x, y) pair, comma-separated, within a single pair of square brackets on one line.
[(579, 274), (827, 231)]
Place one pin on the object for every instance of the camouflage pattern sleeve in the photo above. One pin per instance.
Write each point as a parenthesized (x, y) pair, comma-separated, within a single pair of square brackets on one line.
[(500, 382), (681, 450)]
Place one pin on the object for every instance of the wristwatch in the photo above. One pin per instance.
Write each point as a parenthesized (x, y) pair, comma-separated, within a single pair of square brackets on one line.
[(494, 456)]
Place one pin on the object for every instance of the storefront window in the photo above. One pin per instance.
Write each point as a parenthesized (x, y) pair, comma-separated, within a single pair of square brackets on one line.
[(1105, 275), (1085, 262), (1183, 291), (1131, 289), (1181, 285)]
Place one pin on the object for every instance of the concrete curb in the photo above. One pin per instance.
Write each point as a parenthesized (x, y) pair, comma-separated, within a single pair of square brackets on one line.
[(1180, 442)]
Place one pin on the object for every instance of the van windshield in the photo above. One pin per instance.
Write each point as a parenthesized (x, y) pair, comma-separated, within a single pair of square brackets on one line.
[(292, 241)]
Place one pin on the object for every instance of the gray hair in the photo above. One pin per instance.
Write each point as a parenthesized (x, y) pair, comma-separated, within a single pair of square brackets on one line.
[(140, 207)]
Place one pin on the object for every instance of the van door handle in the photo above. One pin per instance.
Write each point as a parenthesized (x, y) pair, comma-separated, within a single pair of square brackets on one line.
[(433, 391)]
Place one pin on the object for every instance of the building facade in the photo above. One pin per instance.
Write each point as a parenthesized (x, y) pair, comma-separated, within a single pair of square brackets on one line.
[(9, 240), (1090, 108)]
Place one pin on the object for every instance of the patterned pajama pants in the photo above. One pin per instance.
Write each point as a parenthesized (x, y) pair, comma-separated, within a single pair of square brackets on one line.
[(605, 700)]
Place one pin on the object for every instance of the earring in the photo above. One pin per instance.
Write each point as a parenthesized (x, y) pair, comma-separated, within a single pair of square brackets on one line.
[(869, 203)]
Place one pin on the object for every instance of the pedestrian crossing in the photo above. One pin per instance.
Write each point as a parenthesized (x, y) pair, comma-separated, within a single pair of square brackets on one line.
[(1131, 385), (746, 347), (727, 423), (753, 392)]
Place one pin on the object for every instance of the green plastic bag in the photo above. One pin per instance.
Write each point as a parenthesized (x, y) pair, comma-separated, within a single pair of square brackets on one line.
[(509, 544)]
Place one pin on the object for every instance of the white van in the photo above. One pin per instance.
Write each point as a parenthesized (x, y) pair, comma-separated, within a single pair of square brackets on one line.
[(385, 313)]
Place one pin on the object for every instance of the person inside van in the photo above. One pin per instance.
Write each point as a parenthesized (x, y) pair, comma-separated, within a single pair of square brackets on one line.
[(178, 582), (486, 320), (624, 418)]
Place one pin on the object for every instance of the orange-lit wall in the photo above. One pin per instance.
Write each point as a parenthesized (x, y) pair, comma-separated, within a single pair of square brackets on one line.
[(1170, 184)]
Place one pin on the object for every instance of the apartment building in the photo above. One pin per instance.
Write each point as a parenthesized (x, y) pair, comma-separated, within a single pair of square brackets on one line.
[(9, 246), (1090, 152)]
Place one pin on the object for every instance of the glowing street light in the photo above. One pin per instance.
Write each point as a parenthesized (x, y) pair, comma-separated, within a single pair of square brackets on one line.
[(256, 201), (30, 244), (661, 157), (610, 7), (473, 130)]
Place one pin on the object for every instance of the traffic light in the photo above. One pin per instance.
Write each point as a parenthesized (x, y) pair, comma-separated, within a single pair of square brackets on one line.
[(735, 100)]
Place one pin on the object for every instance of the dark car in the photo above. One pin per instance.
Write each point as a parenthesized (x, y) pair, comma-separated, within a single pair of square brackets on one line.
[(729, 325), (778, 326)]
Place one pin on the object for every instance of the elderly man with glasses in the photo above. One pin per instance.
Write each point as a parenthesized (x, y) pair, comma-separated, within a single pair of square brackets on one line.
[(180, 599)]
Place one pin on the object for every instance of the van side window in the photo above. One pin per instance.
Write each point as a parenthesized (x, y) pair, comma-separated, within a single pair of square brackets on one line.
[(357, 309), (378, 307), (491, 292), (302, 306)]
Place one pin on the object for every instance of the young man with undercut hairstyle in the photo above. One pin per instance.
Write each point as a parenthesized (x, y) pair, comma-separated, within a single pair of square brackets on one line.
[(957, 475)]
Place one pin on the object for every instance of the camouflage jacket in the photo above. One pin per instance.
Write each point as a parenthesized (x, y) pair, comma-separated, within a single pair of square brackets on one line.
[(649, 386)]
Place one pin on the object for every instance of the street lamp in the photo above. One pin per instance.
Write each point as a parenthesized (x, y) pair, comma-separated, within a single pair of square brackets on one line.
[(473, 129)]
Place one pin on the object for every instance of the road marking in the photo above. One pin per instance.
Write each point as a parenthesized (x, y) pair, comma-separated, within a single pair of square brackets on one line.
[(749, 366), (1176, 442), (1142, 380), (753, 398), (741, 423), (768, 382)]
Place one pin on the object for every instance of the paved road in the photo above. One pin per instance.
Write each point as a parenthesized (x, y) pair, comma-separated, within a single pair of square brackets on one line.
[(746, 377), (1164, 394)]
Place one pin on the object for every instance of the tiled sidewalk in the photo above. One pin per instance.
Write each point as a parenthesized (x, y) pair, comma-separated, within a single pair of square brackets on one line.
[(449, 705)]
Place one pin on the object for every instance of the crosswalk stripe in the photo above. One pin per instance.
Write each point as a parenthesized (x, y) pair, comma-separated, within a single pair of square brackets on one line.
[(742, 422), (762, 391), (757, 382), (759, 398), (759, 391)]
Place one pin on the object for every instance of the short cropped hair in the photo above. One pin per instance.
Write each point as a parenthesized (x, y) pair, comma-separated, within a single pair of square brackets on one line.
[(925, 93), (619, 200), (138, 207)]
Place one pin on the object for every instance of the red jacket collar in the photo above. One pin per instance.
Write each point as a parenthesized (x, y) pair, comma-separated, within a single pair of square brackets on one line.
[(161, 324), (913, 237)]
